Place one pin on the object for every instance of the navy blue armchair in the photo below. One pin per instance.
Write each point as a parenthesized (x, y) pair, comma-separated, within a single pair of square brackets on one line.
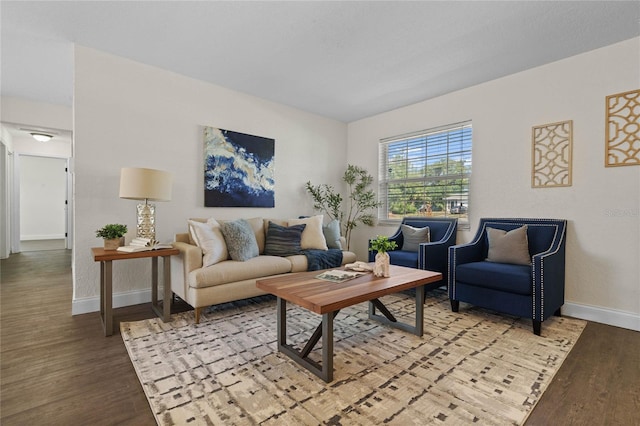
[(533, 291), (430, 256)]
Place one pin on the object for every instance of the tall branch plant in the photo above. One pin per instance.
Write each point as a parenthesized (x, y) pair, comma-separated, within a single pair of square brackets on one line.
[(361, 200)]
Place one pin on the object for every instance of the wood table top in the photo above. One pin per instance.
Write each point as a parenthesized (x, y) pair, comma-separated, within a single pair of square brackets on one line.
[(321, 296), (101, 255)]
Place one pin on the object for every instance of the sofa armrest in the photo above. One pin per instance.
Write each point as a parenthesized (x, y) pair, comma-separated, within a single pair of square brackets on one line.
[(189, 259)]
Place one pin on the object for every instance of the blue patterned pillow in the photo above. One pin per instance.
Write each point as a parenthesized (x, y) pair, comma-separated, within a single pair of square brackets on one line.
[(282, 240), (240, 239)]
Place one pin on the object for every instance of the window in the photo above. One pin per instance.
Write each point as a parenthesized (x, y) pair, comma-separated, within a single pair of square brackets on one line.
[(426, 174)]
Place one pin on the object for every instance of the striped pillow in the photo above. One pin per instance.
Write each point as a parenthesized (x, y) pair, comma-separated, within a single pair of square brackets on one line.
[(283, 240)]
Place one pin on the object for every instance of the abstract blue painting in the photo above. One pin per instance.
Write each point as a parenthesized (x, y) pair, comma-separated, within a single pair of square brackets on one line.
[(238, 169)]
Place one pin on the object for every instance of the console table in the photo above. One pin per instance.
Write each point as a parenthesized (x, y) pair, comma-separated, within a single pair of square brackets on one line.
[(106, 257)]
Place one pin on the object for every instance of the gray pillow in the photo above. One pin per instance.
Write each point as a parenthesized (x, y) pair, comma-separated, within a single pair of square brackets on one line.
[(240, 239), (283, 240), (509, 247), (414, 236), (331, 233)]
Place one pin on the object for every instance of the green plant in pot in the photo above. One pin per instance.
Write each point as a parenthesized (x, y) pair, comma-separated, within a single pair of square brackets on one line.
[(361, 199), (112, 235), (382, 245)]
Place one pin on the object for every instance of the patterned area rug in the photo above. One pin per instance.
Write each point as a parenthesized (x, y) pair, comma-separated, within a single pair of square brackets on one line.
[(471, 366)]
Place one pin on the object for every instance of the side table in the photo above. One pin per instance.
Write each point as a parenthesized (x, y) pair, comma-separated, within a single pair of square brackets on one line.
[(106, 257)]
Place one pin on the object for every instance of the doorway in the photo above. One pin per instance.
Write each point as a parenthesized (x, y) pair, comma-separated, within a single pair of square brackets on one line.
[(43, 205)]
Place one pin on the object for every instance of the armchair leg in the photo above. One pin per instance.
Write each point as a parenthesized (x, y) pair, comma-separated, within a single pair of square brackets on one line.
[(455, 305), (537, 325), (558, 313)]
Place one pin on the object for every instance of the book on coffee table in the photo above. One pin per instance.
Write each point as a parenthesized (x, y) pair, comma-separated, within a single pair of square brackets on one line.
[(339, 276)]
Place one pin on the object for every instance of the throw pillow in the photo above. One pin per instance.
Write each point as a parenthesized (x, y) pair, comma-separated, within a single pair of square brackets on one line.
[(208, 237), (240, 239), (312, 236), (282, 240), (414, 236), (331, 233), (509, 247)]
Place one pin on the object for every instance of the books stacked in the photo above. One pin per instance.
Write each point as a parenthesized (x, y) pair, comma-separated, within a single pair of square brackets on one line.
[(143, 244)]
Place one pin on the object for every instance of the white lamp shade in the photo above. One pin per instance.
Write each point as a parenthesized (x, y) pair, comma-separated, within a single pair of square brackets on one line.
[(145, 184)]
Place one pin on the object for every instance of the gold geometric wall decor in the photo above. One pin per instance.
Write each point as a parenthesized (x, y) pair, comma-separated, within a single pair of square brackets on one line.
[(622, 136), (551, 154)]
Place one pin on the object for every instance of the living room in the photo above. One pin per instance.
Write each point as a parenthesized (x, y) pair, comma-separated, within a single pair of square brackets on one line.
[(150, 117)]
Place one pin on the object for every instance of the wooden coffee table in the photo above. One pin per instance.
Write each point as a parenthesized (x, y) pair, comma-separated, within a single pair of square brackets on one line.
[(327, 298)]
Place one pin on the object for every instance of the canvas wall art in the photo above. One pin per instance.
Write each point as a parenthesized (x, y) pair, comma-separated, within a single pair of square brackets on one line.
[(238, 169)]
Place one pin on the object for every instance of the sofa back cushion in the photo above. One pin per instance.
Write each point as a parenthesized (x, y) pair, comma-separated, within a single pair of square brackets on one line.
[(241, 239), (283, 240), (312, 236), (208, 236)]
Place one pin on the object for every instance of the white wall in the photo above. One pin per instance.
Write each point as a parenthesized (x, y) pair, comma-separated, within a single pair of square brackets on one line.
[(43, 190), (130, 114), (603, 204)]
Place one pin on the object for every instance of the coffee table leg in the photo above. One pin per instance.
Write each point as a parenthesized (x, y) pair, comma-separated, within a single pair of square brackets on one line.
[(327, 347), (419, 310), (417, 329), (324, 371), (281, 322)]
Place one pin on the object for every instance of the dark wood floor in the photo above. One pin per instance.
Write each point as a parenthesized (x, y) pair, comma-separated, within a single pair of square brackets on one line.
[(58, 369)]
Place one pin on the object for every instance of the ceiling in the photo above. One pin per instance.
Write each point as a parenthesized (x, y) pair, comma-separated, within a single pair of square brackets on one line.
[(341, 59)]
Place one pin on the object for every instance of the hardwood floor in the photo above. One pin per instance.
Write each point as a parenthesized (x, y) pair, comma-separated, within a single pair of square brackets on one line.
[(58, 369)]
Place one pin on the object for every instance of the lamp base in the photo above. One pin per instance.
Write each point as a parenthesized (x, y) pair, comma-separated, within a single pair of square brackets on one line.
[(146, 221)]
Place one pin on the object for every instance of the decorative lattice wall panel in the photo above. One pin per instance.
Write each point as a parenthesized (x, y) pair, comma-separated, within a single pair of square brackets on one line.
[(551, 154), (622, 138)]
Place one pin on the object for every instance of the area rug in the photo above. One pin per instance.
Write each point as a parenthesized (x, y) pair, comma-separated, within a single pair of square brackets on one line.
[(474, 366)]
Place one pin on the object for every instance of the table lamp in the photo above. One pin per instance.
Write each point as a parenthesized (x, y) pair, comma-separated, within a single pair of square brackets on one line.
[(148, 185)]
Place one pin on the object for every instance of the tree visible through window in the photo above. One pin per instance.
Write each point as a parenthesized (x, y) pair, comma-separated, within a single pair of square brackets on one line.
[(426, 173)]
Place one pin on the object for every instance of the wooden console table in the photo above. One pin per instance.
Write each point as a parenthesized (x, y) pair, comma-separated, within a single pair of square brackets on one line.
[(106, 257)]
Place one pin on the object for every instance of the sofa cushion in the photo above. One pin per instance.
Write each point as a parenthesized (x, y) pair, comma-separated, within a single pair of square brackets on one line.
[(412, 237), (498, 276), (331, 233), (230, 271), (283, 240), (508, 247), (404, 258), (312, 236), (209, 238), (241, 239)]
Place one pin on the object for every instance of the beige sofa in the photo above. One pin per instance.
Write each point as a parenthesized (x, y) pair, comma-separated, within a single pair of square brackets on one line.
[(228, 280)]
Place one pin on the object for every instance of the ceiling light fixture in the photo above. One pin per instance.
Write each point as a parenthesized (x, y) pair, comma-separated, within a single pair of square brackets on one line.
[(41, 137)]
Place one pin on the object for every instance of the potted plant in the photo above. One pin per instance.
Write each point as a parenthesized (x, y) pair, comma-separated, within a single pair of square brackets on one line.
[(112, 235), (382, 245), (361, 200)]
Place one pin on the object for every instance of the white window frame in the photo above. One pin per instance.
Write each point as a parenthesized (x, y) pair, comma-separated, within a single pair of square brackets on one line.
[(440, 171)]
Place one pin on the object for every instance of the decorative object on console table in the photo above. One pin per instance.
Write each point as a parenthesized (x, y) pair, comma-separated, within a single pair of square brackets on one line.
[(112, 235), (238, 169), (551, 156), (148, 185), (622, 126), (382, 245), (143, 244)]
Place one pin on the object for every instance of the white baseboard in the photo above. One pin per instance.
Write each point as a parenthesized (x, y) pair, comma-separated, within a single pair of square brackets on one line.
[(92, 304), (42, 237), (612, 317), (607, 316)]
